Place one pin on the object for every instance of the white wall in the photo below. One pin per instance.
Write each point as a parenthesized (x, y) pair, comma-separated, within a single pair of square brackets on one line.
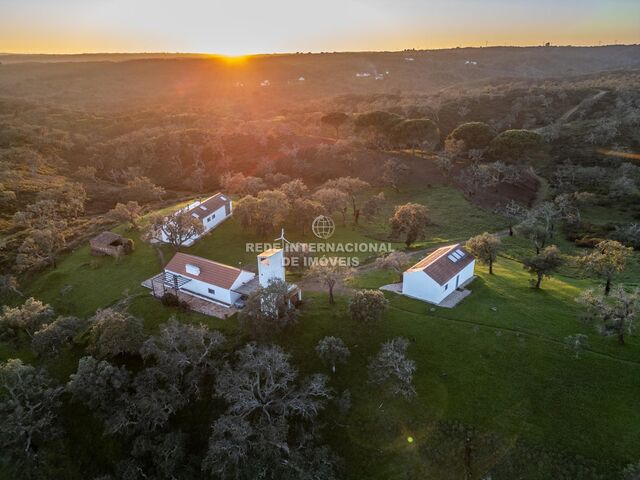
[(420, 285), (207, 222), (273, 269), (243, 278), (197, 286), (213, 222)]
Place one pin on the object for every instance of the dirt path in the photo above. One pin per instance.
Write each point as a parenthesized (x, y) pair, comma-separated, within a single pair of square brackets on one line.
[(589, 100)]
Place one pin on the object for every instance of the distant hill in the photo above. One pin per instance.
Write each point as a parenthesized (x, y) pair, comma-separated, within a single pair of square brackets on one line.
[(111, 79)]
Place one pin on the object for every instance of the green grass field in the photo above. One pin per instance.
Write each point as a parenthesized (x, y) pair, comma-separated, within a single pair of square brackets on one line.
[(496, 362)]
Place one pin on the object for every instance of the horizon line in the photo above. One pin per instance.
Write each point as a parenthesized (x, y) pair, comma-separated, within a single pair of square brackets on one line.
[(321, 52)]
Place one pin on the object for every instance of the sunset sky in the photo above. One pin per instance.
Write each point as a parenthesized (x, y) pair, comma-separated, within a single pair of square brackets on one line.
[(244, 27)]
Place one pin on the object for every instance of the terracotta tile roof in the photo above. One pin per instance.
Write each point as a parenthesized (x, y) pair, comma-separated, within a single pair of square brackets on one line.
[(211, 272), (440, 266), (210, 205)]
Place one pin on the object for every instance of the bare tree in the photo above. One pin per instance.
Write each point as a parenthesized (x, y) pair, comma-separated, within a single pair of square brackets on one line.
[(392, 369), (175, 229), (332, 351), (329, 276), (614, 314)]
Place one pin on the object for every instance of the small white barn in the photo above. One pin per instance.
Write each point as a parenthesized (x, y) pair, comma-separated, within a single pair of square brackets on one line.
[(211, 212), (439, 274)]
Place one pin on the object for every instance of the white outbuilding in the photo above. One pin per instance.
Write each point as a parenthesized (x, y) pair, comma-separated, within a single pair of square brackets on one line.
[(439, 274), (211, 212)]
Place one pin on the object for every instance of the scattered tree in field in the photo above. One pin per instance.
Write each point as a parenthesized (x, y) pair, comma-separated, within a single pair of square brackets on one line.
[(38, 215), (444, 162), (515, 213), (7, 197), (264, 432), (420, 133), (517, 146), (367, 306), (395, 261), (333, 200), (544, 264), (608, 259), (52, 337), (69, 199), (27, 318), (41, 247), (535, 232), (329, 276), (128, 213), (268, 311), (88, 173), (241, 184), (294, 190), (628, 234), (378, 124), (472, 135), (395, 174), (474, 177), (485, 248), (142, 189), (352, 187), (577, 343), (9, 285), (184, 353), (614, 314), (631, 472), (332, 351), (304, 211), (175, 229), (114, 333), (264, 213), (29, 401), (103, 388), (392, 369), (373, 206), (410, 222), (335, 120)]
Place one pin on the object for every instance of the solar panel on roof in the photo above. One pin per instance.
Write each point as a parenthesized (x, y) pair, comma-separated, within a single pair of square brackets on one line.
[(452, 258), (460, 252)]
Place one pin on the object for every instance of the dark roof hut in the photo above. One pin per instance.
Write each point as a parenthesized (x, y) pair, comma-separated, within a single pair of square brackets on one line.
[(109, 243)]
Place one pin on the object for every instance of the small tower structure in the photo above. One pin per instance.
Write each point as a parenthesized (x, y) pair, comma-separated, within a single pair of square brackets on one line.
[(271, 266)]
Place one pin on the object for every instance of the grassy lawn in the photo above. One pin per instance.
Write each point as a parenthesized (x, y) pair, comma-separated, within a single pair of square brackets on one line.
[(496, 362), (505, 371)]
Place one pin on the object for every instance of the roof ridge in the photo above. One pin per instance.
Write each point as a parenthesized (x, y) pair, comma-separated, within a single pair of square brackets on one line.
[(207, 260)]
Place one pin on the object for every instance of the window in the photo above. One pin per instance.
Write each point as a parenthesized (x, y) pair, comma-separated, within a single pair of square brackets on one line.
[(446, 286), (212, 291)]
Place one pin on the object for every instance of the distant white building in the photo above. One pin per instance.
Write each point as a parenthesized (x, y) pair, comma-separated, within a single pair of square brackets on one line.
[(439, 274), (211, 212), (222, 284)]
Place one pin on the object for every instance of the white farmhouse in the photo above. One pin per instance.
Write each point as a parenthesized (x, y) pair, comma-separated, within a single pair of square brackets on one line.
[(439, 274), (222, 284), (211, 212), (205, 279)]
